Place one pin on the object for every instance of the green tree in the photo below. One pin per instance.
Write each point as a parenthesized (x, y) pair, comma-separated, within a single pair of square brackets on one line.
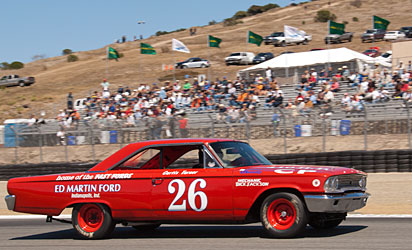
[(72, 58), (67, 52), (255, 9), (270, 6), (240, 14), (213, 22), (355, 19), (324, 15), (16, 65), (4, 65)]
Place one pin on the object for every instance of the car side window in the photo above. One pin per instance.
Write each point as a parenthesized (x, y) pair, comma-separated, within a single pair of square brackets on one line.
[(146, 159), (191, 159)]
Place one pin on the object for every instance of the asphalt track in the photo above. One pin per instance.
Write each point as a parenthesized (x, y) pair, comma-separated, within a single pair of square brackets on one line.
[(354, 233)]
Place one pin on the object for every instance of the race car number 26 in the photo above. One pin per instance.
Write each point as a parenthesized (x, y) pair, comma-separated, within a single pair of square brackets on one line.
[(191, 195)]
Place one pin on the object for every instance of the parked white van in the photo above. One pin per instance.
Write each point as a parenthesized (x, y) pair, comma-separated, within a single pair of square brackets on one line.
[(240, 58)]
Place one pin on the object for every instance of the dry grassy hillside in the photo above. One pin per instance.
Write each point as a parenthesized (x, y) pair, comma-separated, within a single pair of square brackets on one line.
[(56, 77)]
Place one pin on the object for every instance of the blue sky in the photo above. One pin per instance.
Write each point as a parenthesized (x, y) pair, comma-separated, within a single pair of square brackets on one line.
[(46, 27)]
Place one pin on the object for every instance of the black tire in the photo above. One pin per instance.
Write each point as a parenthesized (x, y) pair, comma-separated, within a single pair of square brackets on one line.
[(283, 44), (350, 39), (325, 224), (22, 84), (147, 227), (92, 221), (184, 67), (305, 42), (287, 212), (203, 66)]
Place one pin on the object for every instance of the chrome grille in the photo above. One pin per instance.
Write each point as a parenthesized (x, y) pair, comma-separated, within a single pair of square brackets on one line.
[(349, 182)]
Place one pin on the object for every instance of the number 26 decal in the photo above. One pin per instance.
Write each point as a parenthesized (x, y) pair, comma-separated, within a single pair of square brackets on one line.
[(191, 195)]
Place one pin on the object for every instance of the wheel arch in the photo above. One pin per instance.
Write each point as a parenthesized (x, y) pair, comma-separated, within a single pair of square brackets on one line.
[(76, 203), (254, 211)]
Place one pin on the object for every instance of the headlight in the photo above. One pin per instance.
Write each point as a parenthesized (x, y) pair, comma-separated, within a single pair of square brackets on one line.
[(331, 185), (362, 183)]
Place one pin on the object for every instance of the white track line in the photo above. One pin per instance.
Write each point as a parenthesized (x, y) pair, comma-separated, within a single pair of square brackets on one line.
[(68, 216)]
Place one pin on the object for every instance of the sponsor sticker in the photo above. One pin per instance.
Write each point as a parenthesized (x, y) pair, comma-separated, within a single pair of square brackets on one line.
[(250, 171), (251, 183), (95, 177), (316, 183)]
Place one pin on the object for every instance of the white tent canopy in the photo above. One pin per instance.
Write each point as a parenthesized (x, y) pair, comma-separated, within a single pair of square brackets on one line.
[(301, 59)]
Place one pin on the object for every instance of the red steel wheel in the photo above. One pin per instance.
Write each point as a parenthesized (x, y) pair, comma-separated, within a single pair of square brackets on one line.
[(90, 217), (92, 220), (283, 215)]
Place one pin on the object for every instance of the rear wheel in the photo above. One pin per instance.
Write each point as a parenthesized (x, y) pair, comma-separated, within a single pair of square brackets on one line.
[(22, 84), (305, 42), (283, 215), (203, 66), (92, 221)]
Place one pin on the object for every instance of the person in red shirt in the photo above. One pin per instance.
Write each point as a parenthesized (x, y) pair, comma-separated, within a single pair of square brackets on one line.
[(183, 126)]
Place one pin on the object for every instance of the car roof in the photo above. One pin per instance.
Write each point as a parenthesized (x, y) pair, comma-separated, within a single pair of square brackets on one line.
[(134, 147)]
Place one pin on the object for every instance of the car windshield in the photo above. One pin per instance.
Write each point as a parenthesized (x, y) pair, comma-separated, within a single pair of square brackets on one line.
[(391, 32), (238, 154), (235, 54), (370, 51), (370, 31), (277, 34), (386, 55)]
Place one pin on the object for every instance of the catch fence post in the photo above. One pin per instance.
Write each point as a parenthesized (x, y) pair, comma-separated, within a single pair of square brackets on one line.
[(409, 122), (213, 125), (40, 144), (365, 127)]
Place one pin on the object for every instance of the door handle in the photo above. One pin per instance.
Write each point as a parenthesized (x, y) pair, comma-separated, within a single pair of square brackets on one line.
[(157, 181)]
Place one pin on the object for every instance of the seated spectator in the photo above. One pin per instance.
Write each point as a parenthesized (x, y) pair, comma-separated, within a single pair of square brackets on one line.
[(335, 85)]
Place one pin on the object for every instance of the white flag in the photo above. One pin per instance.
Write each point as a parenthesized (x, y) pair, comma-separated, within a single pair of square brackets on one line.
[(179, 46), (294, 32)]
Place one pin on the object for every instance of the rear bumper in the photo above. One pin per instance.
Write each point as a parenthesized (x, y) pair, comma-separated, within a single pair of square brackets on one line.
[(10, 201), (336, 203)]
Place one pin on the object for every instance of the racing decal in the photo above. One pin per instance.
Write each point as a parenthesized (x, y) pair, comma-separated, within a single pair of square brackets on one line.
[(316, 183), (95, 177), (87, 190), (184, 172), (191, 195), (251, 183), (250, 171)]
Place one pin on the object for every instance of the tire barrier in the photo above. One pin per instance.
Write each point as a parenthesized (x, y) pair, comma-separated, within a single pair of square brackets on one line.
[(381, 161)]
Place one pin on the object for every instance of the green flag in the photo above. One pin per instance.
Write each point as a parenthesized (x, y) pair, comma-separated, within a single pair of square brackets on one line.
[(112, 53), (214, 41), (147, 49), (380, 23), (336, 28), (254, 38)]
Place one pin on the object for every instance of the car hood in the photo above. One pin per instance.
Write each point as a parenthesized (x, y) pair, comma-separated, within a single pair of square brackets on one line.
[(296, 170)]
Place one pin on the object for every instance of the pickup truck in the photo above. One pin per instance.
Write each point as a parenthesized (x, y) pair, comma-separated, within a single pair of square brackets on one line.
[(335, 38), (279, 39), (14, 80), (373, 35)]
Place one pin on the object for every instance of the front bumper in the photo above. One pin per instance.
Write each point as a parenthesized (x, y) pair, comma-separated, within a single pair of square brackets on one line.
[(340, 203), (10, 201)]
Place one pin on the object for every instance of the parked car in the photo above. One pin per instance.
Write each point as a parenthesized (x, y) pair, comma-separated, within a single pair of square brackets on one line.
[(373, 35), (15, 80), (261, 57), (372, 52), (240, 58), (194, 62), (393, 35), (407, 30), (279, 39), (335, 38), (386, 57), (149, 183)]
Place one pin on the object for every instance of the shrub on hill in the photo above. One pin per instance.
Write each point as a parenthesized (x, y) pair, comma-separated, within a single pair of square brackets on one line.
[(356, 3), (67, 52), (355, 19), (240, 14), (72, 58), (231, 22), (13, 65), (324, 15), (159, 33), (16, 65), (212, 22)]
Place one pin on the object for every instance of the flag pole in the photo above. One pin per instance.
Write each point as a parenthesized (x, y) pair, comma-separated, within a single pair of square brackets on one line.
[(174, 65), (107, 63), (328, 63), (208, 58)]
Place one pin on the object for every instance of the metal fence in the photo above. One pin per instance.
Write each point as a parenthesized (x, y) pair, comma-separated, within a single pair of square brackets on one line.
[(90, 135)]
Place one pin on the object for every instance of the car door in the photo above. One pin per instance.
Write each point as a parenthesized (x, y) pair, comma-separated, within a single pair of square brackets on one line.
[(193, 187), (196, 63), (134, 178)]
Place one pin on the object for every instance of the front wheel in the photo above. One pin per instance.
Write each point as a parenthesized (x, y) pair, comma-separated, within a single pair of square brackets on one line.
[(92, 221), (283, 215)]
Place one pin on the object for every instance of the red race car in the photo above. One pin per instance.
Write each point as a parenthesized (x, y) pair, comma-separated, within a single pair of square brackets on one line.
[(149, 183)]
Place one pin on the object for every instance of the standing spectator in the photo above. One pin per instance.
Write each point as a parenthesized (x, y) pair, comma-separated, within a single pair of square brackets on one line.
[(183, 126), (269, 74), (61, 137), (275, 122), (70, 101), (105, 85)]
